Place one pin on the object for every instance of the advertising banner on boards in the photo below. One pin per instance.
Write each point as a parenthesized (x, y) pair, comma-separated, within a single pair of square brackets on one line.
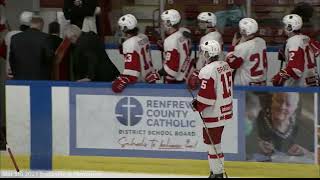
[(141, 121)]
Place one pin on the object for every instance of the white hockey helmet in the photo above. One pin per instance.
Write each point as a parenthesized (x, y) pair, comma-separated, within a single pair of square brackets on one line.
[(127, 22), (171, 17), (208, 17), (248, 26), (292, 22), (210, 49), (26, 17)]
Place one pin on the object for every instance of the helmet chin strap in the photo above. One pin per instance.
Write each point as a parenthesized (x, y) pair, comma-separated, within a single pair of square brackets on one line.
[(203, 25), (169, 29), (206, 55), (208, 58), (212, 59), (288, 32), (211, 29), (123, 34)]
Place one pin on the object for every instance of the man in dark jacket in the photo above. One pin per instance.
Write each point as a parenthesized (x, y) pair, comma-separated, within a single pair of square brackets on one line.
[(31, 55), (54, 35), (77, 10), (90, 60), (62, 70)]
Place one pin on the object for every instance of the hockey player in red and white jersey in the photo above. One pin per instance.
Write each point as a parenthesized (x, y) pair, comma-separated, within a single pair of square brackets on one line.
[(248, 55), (137, 57), (215, 103), (300, 64), (207, 22), (176, 47)]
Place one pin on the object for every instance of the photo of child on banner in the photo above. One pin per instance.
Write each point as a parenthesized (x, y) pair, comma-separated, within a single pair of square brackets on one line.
[(280, 127)]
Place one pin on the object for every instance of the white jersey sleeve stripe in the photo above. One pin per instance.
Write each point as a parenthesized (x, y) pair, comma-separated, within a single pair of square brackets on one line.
[(297, 72), (206, 101), (131, 73), (170, 71), (216, 124)]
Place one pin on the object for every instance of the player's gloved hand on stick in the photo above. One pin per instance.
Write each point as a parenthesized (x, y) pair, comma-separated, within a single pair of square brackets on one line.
[(194, 81), (152, 77), (120, 84), (280, 78), (194, 105)]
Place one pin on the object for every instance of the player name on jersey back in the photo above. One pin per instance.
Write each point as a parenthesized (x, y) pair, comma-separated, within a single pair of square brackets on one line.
[(223, 69)]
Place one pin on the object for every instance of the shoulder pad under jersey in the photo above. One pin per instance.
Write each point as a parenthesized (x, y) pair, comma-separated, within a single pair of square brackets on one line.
[(171, 42), (130, 45), (207, 71), (296, 42)]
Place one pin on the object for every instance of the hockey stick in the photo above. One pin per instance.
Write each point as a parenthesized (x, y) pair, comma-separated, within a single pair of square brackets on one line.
[(12, 158), (282, 57), (281, 65), (207, 132), (163, 61)]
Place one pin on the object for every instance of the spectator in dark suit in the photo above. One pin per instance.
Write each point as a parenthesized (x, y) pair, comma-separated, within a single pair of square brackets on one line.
[(90, 61), (54, 32), (77, 10), (63, 68), (25, 20), (31, 55)]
